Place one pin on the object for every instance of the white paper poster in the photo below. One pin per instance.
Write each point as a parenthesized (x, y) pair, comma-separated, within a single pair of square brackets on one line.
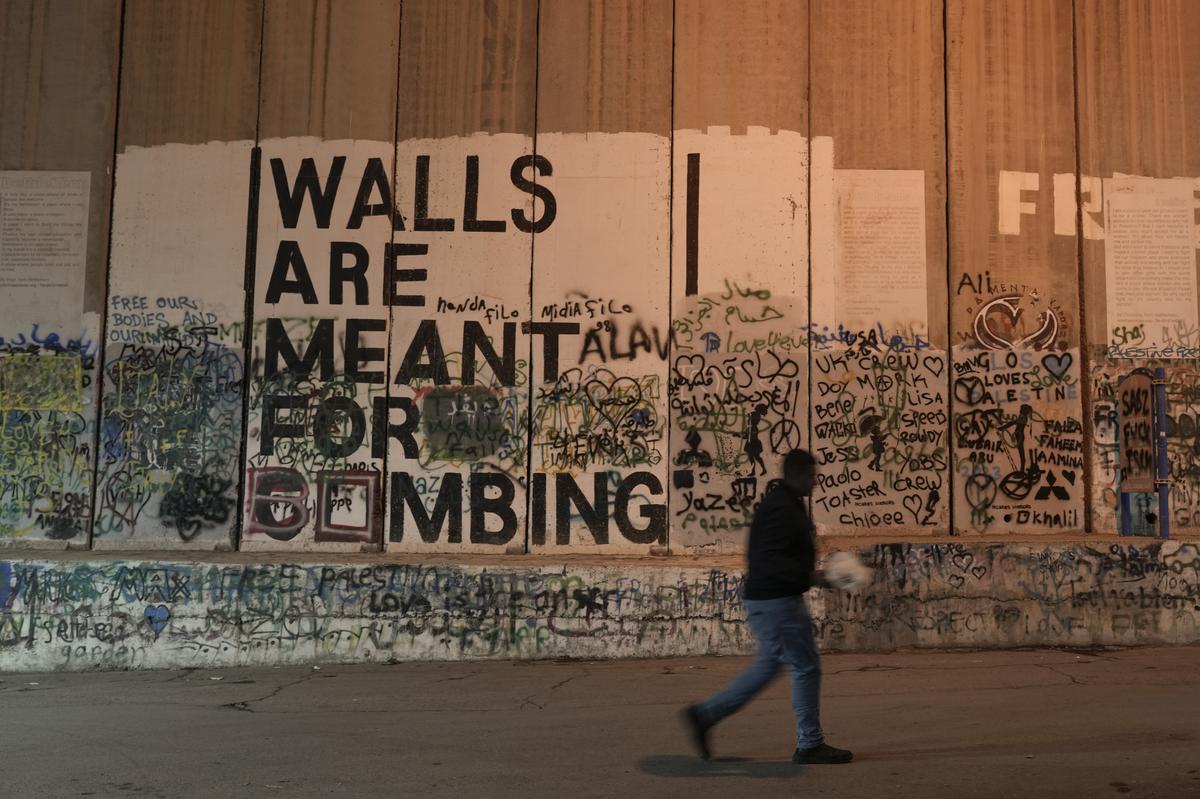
[(43, 248), (881, 277), (1150, 255)]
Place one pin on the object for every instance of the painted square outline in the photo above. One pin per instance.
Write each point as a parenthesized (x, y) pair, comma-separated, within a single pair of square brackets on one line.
[(255, 528), (326, 531)]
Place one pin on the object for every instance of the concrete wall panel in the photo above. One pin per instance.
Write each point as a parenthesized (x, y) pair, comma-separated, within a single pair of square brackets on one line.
[(879, 387), (58, 63), (577, 273), (171, 433), (315, 458), (1017, 402), (465, 148), (739, 263), (600, 272), (1139, 113)]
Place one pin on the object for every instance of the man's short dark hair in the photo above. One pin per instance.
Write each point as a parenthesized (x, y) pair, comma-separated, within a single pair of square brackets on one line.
[(797, 463)]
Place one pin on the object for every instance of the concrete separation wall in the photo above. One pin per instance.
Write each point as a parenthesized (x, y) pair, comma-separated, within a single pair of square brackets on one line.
[(566, 277), (439, 279), (115, 614)]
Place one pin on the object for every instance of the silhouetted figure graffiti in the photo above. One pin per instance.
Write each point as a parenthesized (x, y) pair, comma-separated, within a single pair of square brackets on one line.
[(1017, 484), (872, 424), (931, 502), (1019, 424), (754, 446), (693, 454)]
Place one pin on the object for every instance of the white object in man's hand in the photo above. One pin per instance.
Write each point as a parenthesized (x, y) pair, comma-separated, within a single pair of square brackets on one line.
[(845, 572)]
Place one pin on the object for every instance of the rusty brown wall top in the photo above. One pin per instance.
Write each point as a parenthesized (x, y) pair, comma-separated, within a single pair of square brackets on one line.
[(741, 64), (58, 104), (1138, 87), (58, 69), (467, 67), (329, 69), (877, 82), (605, 66), (1011, 109), (189, 71)]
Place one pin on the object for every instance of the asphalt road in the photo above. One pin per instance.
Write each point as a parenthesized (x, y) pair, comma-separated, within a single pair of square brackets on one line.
[(1119, 723)]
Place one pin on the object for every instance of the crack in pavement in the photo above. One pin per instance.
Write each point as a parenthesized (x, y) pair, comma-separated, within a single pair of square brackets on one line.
[(869, 667), (556, 685), (456, 679), (1049, 667), (245, 704), (183, 673), (529, 699), (939, 667)]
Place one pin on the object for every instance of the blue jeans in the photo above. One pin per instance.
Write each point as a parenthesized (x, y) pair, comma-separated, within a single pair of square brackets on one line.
[(784, 633)]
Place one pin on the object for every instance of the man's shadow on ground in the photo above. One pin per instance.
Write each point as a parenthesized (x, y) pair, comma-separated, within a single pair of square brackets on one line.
[(692, 766)]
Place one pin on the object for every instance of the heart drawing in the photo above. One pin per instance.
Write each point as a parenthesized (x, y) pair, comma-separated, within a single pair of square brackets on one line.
[(1009, 312), (157, 617), (913, 504), (1058, 365)]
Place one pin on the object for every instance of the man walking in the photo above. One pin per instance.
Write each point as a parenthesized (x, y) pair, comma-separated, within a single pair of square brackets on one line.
[(781, 558)]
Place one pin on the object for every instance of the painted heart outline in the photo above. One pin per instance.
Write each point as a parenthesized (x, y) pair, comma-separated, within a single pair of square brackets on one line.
[(157, 617), (913, 504), (1058, 364), (1010, 307), (616, 400)]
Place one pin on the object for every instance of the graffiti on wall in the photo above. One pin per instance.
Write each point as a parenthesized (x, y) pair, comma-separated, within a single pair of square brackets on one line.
[(738, 392), (600, 287), (147, 615), (116, 614), (423, 376), (1007, 595), (1183, 445), (879, 389), (46, 428), (1018, 458), (462, 339), (171, 427), (318, 408), (738, 368), (172, 377), (880, 432), (332, 396)]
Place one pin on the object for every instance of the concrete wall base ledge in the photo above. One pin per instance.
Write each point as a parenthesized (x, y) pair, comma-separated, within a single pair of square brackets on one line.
[(80, 611)]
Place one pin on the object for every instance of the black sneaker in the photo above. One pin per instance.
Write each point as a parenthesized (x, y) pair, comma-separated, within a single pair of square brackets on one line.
[(698, 731), (824, 753)]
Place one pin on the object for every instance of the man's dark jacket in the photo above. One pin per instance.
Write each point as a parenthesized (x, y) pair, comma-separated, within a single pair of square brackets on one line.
[(781, 555)]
